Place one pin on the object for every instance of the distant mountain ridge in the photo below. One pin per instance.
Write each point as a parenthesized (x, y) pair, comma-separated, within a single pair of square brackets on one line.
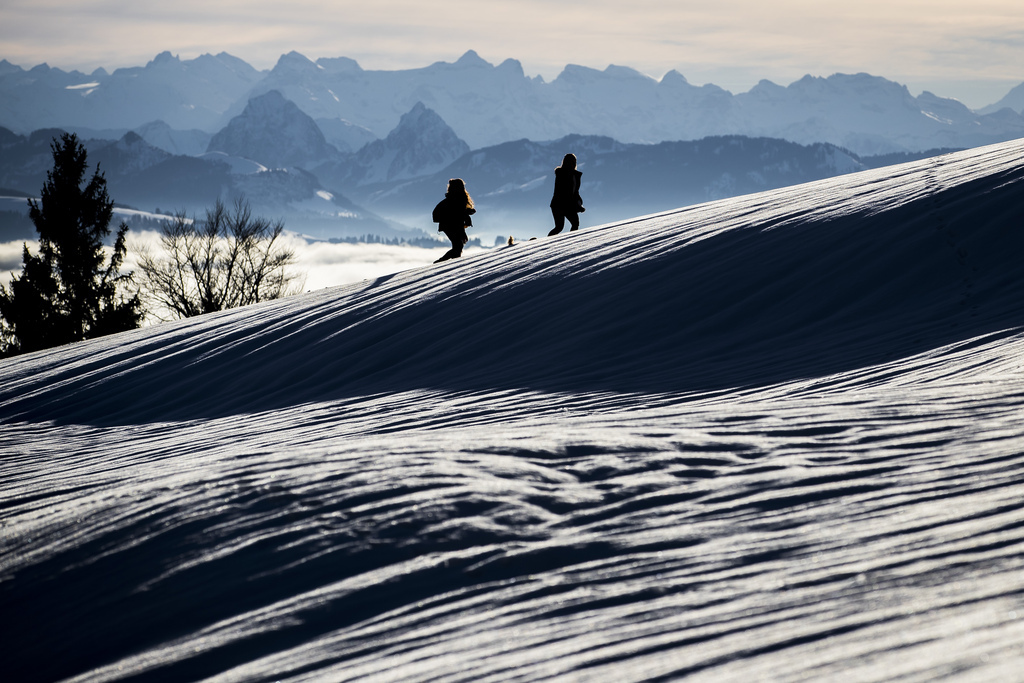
[(421, 144), (184, 94), (274, 132), (277, 154), (486, 104), (511, 183), (398, 179), (1014, 100)]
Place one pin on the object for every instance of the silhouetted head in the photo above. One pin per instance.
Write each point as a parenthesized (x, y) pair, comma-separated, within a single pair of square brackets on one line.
[(569, 161), (457, 191)]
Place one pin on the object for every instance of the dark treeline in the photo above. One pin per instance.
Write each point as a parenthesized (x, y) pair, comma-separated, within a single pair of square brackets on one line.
[(423, 242)]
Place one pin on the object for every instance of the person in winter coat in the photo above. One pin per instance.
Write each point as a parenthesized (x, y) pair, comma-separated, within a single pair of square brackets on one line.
[(452, 214), (566, 201)]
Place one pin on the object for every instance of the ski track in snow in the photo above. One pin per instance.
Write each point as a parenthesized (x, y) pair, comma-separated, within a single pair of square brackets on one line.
[(776, 437)]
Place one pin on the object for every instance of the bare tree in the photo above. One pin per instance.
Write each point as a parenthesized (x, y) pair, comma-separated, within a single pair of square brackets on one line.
[(228, 259)]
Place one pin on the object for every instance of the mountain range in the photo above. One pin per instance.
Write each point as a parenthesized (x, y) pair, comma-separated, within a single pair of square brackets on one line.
[(338, 151), (141, 175), (275, 155), (487, 105)]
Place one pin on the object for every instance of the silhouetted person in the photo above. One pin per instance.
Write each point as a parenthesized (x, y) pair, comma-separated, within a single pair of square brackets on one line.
[(452, 214), (566, 201)]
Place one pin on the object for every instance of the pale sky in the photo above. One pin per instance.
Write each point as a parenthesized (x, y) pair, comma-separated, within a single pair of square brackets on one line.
[(973, 51)]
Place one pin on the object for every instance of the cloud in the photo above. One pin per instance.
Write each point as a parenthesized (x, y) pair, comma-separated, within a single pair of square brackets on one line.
[(322, 264), (318, 264), (326, 265)]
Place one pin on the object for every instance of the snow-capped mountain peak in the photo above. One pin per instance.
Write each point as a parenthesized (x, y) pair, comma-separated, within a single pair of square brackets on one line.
[(164, 59), (339, 65), (421, 143), (295, 62), (273, 131), (131, 154), (1013, 100), (471, 59)]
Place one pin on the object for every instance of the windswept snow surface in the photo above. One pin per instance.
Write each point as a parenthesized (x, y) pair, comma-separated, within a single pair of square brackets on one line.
[(777, 437)]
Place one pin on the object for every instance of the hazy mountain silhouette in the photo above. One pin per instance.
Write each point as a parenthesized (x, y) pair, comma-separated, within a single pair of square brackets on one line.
[(398, 176), (275, 132), (486, 104), (421, 144)]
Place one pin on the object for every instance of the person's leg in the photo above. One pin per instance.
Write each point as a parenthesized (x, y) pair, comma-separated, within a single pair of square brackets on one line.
[(574, 220), (458, 239), (559, 221)]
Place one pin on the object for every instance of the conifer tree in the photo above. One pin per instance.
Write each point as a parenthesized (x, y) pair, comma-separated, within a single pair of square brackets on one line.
[(69, 291)]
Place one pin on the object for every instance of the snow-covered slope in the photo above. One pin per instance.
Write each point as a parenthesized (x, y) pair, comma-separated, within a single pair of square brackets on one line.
[(157, 133), (776, 436)]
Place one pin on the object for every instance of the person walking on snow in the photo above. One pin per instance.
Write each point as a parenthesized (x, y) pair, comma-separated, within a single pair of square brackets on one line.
[(566, 201), (452, 214)]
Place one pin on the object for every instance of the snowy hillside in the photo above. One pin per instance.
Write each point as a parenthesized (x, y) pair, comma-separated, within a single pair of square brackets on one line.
[(777, 436)]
